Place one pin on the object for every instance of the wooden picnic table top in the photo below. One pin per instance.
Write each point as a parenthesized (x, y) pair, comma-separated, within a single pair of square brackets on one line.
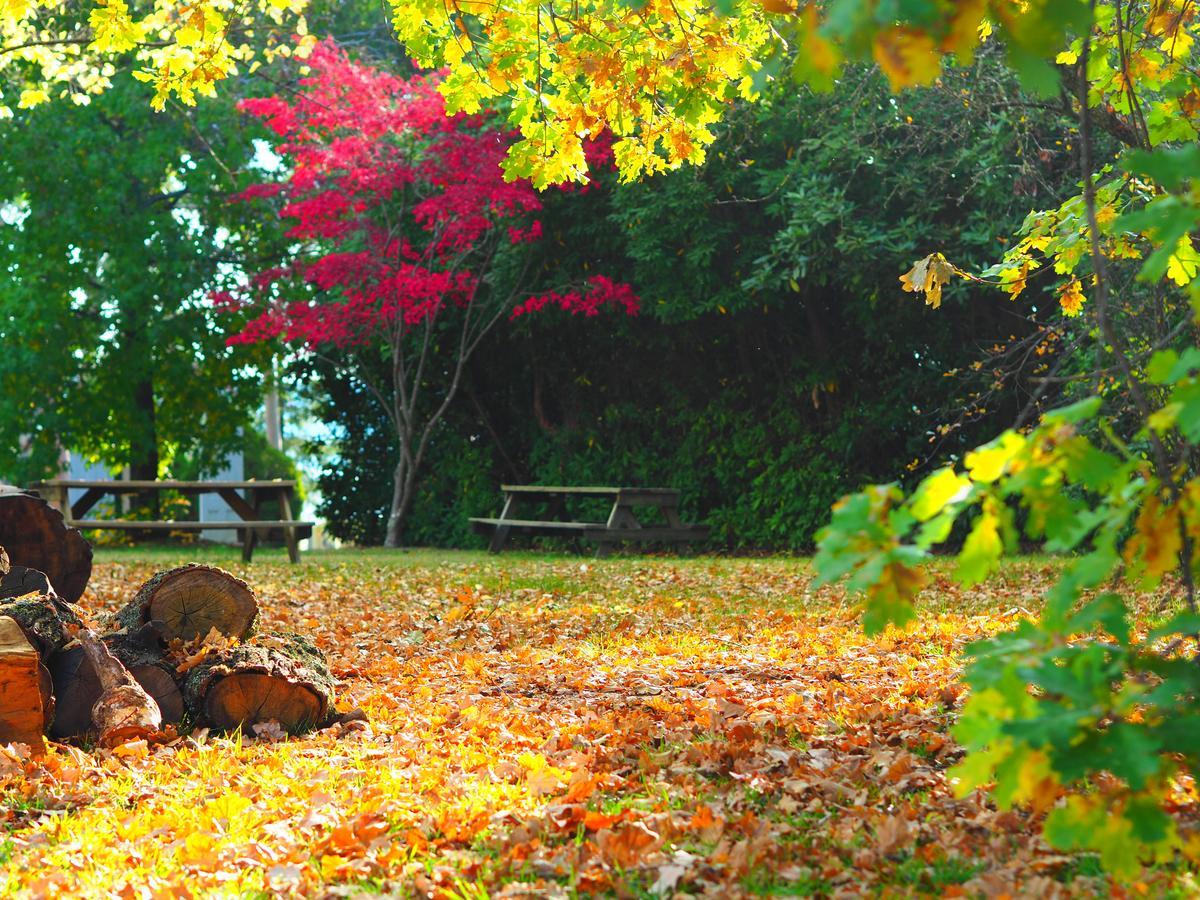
[(587, 489), (117, 485)]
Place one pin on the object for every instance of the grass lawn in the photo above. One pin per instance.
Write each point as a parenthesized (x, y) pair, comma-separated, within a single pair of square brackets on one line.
[(543, 725)]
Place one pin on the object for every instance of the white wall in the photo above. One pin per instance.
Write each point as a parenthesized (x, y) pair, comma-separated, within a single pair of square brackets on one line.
[(214, 509)]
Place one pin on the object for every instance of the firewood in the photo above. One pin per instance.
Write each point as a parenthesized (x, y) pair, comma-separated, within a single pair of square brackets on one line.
[(26, 701), (77, 685), (19, 581), (283, 678), (35, 535), (190, 601), (124, 710), (42, 620)]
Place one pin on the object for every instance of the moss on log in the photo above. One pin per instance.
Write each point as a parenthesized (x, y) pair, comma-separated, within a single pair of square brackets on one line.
[(282, 678)]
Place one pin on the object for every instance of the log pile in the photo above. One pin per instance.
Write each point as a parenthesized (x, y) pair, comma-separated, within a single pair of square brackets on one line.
[(181, 653)]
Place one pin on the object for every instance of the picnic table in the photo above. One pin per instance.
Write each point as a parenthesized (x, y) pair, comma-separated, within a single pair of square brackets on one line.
[(250, 526), (623, 523)]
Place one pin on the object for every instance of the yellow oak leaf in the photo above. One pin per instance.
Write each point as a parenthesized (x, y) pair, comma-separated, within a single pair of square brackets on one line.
[(1153, 550)]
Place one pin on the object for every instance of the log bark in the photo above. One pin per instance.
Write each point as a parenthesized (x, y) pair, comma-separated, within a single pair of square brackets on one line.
[(190, 601), (35, 535), (42, 621), (26, 701), (283, 678), (124, 710)]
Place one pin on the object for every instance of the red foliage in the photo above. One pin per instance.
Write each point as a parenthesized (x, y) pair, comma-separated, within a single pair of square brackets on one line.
[(403, 206)]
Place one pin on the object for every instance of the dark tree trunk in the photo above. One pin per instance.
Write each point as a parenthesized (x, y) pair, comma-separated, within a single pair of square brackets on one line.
[(143, 446)]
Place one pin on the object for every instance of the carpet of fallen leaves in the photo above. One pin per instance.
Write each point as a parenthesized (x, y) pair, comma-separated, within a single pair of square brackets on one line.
[(552, 726)]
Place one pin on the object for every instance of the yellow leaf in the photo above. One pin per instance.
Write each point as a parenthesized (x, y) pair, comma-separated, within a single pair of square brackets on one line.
[(1153, 550), (32, 98), (927, 276), (907, 57), (988, 463), (1184, 262), (937, 492), (1071, 298)]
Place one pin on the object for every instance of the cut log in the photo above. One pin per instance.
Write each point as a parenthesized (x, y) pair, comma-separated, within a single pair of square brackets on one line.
[(190, 601), (283, 678), (26, 705), (35, 535), (124, 711), (21, 580), (77, 686)]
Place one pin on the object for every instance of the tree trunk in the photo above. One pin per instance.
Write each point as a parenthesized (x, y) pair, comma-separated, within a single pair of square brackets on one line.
[(36, 536), (191, 600), (283, 678), (143, 448), (403, 482)]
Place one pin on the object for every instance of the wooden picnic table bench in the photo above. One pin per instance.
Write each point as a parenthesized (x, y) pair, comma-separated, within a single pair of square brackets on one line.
[(622, 524), (250, 526)]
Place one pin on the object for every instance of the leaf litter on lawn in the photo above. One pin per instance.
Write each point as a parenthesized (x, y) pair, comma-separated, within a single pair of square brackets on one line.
[(550, 727)]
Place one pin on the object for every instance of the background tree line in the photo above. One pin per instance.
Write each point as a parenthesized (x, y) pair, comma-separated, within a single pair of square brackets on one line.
[(775, 364)]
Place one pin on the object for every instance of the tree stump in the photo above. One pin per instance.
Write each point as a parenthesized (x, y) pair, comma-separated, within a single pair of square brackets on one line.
[(35, 535), (190, 601), (26, 697), (284, 679)]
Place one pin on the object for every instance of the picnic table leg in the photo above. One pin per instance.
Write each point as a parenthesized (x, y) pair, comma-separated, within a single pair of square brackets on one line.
[(249, 537), (289, 531), (500, 535), (83, 505)]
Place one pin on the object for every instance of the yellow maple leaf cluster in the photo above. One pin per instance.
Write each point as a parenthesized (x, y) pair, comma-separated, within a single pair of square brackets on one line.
[(52, 49)]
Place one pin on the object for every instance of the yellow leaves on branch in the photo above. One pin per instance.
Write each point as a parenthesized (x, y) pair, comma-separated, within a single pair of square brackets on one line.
[(113, 31), (927, 276), (55, 51), (1070, 298)]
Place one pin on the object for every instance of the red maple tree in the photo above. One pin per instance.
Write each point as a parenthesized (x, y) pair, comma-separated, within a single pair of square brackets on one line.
[(398, 216)]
